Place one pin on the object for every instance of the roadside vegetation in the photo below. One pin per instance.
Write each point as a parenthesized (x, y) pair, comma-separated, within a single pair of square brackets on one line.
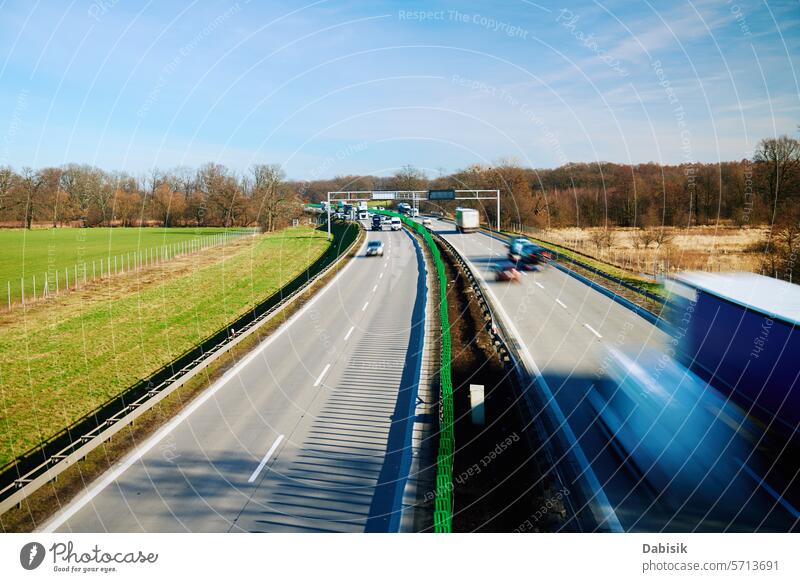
[(61, 359), (661, 250), (700, 207)]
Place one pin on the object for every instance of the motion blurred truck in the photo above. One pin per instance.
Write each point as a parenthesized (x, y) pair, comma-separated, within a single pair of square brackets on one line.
[(467, 220), (741, 332)]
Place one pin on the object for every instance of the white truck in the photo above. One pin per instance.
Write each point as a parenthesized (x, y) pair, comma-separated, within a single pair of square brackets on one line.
[(396, 223), (467, 220)]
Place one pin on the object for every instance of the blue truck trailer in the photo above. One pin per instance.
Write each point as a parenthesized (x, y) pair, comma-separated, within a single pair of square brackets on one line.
[(741, 332)]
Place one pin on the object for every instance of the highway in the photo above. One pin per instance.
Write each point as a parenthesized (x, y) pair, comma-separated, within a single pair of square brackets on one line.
[(566, 327), (309, 433)]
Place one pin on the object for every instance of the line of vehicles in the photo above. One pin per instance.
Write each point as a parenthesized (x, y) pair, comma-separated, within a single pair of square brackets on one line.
[(380, 220)]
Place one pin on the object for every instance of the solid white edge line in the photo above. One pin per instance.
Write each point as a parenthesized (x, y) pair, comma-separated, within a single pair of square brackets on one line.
[(60, 518), (347, 335), (591, 329), (322, 375), (561, 303), (265, 459)]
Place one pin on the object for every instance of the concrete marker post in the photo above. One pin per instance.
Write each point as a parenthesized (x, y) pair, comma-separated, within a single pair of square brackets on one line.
[(476, 403)]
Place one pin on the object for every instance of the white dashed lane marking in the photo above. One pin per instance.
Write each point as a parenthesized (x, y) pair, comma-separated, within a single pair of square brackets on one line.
[(266, 458), (322, 375), (591, 329)]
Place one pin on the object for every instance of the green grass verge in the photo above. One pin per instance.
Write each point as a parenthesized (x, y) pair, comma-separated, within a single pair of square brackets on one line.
[(61, 359), (24, 253)]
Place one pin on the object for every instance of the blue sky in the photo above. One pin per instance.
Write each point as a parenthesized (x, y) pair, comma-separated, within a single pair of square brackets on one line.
[(330, 87)]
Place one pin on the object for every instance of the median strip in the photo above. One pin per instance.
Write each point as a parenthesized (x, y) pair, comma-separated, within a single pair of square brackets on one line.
[(443, 501)]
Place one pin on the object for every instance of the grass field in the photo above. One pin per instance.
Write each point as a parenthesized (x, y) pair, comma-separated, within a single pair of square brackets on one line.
[(24, 253), (62, 358)]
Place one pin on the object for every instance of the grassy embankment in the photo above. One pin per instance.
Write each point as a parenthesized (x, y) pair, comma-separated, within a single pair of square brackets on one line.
[(61, 358), (24, 253)]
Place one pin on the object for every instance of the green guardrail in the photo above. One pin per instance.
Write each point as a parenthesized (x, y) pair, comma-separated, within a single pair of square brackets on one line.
[(443, 503)]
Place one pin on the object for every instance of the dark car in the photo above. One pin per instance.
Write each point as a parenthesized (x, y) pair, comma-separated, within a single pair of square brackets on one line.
[(527, 255)]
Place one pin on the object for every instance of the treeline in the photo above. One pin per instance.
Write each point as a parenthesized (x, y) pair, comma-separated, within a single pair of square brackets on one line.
[(213, 195), (761, 190)]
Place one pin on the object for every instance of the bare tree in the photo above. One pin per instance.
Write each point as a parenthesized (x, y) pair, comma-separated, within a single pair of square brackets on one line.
[(409, 178), (8, 179), (270, 195), (602, 238), (31, 188), (662, 236), (780, 161)]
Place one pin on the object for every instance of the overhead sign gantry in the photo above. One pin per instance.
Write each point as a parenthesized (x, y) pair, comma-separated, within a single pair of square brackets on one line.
[(414, 195)]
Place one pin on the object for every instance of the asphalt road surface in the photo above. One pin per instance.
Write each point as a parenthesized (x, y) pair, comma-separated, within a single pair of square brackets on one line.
[(567, 327), (309, 433)]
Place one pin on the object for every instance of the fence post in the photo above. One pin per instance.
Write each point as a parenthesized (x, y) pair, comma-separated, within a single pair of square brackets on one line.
[(34, 285), (22, 290), (9, 295), (76, 276)]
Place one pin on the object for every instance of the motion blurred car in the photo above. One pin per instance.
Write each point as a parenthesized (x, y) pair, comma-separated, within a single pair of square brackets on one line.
[(679, 433), (375, 248), (427, 222), (507, 272), (515, 248), (526, 255)]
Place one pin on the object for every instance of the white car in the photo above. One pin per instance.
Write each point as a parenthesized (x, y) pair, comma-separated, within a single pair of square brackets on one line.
[(396, 223), (375, 248), (427, 222)]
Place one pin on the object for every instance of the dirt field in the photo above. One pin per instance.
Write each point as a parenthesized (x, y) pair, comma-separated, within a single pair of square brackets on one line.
[(697, 248)]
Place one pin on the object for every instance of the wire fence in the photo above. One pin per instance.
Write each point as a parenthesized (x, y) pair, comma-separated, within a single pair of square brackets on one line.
[(54, 282)]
